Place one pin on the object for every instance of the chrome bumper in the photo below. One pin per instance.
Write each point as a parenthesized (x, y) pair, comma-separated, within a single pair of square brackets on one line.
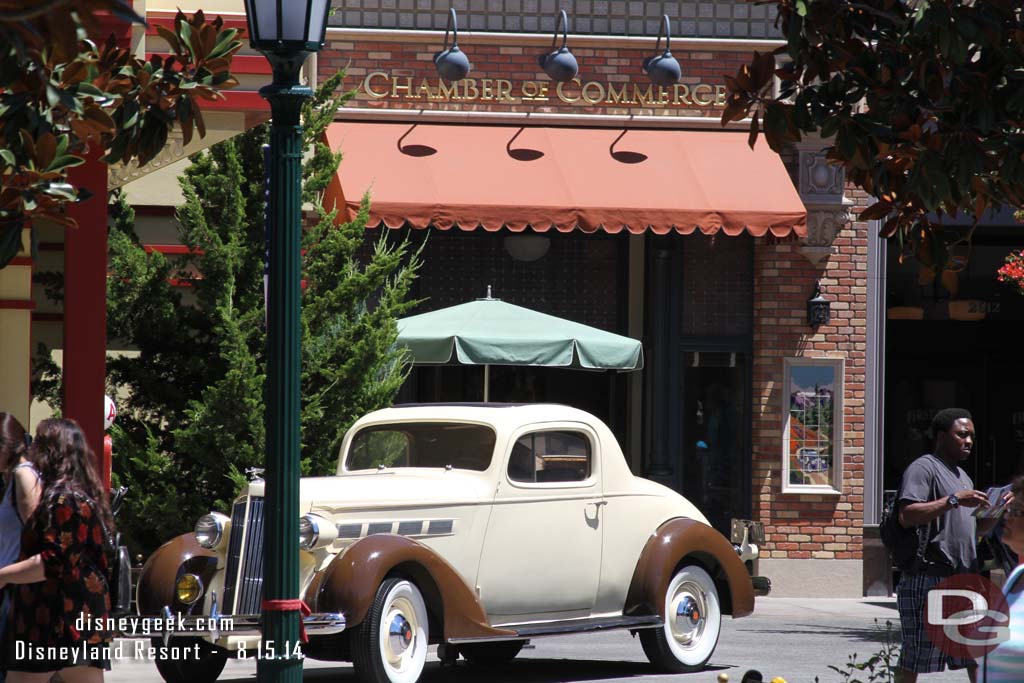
[(215, 625)]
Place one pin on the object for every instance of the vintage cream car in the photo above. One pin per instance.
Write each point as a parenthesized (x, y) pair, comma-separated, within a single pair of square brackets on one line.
[(472, 527)]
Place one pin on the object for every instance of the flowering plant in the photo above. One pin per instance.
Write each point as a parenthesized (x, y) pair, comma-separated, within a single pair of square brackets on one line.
[(1012, 271)]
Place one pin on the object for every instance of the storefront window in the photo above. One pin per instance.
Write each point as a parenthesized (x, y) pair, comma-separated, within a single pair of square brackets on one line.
[(812, 433)]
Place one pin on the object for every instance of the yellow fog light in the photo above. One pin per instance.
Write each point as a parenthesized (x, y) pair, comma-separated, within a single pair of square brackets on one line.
[(188, 588)]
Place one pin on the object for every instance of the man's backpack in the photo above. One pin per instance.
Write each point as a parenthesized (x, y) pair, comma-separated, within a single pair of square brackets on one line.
[(906, 545)]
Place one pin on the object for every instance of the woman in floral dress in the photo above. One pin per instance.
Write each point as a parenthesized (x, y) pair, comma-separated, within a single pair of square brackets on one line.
[(61, 601)]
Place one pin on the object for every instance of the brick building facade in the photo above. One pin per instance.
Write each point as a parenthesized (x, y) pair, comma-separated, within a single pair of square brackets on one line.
[(714, 310)]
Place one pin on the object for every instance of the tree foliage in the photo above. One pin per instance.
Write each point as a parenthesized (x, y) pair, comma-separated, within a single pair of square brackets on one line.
[(193, 419), (61, 91), (922, 103)]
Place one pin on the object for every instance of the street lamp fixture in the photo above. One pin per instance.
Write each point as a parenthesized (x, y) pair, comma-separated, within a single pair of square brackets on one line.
[(819, 309), (663, 69), (286, 32), (451, 62), (560, 64)]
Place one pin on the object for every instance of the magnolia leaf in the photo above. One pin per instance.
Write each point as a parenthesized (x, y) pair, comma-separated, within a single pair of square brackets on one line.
[(171, 38), (8, 156), (876, 211), (62, 191), (65, 162), (197, 115), (46, 148), (225, 44), (52, 95), (74, 73), (10, 242)]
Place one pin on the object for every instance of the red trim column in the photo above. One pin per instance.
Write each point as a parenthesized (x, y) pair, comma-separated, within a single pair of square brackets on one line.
[(85, 306), (85, 286)]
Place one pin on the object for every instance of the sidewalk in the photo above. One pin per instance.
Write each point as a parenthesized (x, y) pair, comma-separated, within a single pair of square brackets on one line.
[(836, 608)]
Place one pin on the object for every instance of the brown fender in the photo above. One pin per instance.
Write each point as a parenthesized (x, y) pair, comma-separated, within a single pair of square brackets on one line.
[(176, 557), (685, 539), (349, 584)]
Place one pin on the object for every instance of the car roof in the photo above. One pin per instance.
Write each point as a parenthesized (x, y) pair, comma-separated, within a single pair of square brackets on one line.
[(498, 414)]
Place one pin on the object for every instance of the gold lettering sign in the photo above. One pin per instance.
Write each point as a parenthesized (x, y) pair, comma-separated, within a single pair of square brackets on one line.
[(381, 85)]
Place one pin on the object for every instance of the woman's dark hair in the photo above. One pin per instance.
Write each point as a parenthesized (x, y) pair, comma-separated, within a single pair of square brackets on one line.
[(65, 462), (12, 440)]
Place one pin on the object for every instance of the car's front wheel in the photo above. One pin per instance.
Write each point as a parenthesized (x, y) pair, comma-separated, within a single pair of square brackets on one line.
[(203, 662), (390, 646), (693, 621)]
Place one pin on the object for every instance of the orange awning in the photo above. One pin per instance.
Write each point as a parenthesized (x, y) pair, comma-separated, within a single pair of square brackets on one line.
[(471, 175)]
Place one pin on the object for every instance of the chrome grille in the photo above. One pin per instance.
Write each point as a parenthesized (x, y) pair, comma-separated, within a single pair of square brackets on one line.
[(243, 580)]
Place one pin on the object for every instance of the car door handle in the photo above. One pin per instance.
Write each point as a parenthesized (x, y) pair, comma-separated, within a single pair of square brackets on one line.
[(596, 506)]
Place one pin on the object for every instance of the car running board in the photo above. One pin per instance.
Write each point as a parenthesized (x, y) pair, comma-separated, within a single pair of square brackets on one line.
[(559, 628)]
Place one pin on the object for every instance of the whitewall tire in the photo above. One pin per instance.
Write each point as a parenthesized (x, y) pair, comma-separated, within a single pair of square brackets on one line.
[(693, 622), (390, 646)]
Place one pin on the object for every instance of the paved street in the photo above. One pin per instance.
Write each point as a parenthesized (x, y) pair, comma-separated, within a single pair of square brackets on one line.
[(793, 638)]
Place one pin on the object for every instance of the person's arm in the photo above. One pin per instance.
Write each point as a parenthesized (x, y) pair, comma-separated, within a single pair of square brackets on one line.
[(916, 514), (26, 571), (27, 491)]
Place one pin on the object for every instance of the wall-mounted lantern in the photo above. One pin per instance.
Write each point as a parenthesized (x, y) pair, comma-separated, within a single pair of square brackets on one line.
[(560, 64), (819, 309), (451, 62), (663, 69)]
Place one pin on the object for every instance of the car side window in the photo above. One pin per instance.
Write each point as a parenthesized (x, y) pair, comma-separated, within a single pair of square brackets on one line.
[(550, 456)]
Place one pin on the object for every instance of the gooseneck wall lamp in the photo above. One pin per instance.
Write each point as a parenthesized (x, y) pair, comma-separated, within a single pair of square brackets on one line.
[(560, 64), (286, 32), (663, 69), (451, 62)]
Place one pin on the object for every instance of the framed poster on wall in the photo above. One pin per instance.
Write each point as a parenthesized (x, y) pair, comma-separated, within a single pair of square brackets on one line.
[(812, 441)]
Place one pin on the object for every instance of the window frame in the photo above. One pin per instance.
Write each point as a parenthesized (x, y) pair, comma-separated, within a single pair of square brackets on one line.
[(574, 428), (835, 485), (350, 440)]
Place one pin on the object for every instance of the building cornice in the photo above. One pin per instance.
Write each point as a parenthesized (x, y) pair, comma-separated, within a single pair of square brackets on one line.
[(468, 38), (535, 118)]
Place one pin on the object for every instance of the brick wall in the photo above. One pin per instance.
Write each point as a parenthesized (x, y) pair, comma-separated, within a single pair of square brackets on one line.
[(410, 61), (801, 526), (721, 18)]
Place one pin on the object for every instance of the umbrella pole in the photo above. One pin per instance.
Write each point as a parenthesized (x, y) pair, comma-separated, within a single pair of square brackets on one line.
[(487, 383)]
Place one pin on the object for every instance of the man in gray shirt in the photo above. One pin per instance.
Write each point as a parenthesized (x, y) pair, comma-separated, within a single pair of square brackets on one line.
[(937, 495)]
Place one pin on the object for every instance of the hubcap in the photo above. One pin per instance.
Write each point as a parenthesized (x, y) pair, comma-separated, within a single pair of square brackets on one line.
[(689, 610), (399, 634)]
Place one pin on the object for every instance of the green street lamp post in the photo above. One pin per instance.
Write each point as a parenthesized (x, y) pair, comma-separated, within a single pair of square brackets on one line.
[(285, 31)]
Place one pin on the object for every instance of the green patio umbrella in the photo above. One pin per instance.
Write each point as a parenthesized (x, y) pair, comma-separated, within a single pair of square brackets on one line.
[(491, 332)]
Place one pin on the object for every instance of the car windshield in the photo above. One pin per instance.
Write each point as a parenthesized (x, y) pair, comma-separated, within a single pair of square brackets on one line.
[(422, 444)]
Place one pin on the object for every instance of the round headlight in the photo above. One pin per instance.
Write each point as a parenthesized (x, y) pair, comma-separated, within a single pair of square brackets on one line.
[(188, 588), (309, 532), (210, 530)]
